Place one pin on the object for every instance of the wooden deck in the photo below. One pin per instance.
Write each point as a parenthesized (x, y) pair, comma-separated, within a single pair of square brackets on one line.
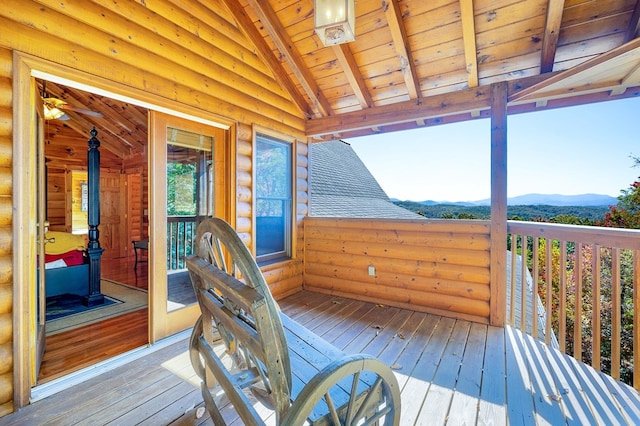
[(449, 371)]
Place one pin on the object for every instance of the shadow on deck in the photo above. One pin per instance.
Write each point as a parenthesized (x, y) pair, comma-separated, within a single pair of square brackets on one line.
[(449, 371)]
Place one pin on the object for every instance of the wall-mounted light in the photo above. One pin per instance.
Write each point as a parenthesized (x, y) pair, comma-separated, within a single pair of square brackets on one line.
[(335, 21)]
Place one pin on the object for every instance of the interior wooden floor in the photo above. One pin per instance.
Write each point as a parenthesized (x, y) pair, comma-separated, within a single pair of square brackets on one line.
[(449, 372), (76, 349)]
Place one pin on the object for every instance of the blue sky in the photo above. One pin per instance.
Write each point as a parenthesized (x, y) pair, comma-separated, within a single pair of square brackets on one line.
[(568, 151)]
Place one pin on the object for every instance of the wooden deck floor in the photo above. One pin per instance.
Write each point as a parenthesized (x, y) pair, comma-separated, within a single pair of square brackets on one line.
[(450, 372)]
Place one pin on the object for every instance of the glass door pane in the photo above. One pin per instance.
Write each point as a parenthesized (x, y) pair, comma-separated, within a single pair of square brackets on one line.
[(188, 161), (189, 200)]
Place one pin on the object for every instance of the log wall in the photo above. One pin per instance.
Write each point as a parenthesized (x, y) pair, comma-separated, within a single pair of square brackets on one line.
[(189, 53), (6, 234), (435, 266)]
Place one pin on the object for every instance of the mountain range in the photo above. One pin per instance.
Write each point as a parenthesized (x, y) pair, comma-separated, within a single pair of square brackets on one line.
[(540, 199)]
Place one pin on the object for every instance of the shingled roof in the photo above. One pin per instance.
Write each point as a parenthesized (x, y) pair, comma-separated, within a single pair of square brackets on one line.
[(342, 186)]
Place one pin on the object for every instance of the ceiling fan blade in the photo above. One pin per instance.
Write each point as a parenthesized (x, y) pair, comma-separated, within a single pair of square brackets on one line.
[(81, 110)]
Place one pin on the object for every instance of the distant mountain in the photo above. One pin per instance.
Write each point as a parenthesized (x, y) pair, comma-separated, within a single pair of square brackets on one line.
[(539, 199)]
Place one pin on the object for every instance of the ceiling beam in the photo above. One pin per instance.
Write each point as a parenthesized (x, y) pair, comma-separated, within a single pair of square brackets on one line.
[(555, 8), (469, 39), (401, 45), (287, 49), (264, 52), (351, 71), (633, 30), (578, 99), (465, 102), (631, 79), (532, 92)]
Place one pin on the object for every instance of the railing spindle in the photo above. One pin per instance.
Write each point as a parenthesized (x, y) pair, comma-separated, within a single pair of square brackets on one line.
[(534, 290), (562, 321), (512, 305), (636, 316), (616, 301), (577, 326), (523, 286), (548, 279), (596, 329)]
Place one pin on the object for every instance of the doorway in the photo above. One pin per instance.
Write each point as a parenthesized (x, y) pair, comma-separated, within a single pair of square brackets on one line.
[(123, 324), (78, 86)]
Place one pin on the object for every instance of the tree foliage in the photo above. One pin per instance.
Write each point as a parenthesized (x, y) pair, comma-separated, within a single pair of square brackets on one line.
[(626, 214)]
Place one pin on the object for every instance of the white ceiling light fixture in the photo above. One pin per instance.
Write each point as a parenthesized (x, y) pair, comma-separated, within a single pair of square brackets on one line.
[(335, 21)]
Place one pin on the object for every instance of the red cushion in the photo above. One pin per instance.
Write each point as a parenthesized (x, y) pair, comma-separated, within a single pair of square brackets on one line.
[(71, 258)]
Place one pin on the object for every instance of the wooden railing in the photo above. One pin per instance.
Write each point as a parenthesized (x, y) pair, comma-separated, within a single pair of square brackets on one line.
[(582, 287), (181, 236)]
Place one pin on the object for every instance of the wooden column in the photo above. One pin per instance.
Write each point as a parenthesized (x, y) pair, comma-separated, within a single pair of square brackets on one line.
[(94, 251), (498, 273)]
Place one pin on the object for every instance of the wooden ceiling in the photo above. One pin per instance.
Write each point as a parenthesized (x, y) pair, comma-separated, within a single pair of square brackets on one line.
[(122, 128), (416, 63)]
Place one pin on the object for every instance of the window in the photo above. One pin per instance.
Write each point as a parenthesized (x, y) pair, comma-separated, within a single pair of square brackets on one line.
[(273, 198)]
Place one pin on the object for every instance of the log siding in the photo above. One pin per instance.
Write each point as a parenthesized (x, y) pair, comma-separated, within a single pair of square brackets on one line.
[(435, 266), (197, 59), (6, 233)]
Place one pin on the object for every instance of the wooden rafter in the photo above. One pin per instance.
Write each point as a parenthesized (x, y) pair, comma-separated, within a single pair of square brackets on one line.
[(287, 49), (350, 69), (115, 122), (555, 9), (84, 126), (433, 106), (429, 110), (469, 38), (633, 30), (529, 93), (401, 46), (251, 32)]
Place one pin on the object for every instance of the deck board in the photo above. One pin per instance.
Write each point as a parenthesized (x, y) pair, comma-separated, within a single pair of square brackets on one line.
[(448, 371)]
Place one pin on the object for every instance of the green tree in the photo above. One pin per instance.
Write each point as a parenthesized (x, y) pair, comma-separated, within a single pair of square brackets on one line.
[(626, 214)]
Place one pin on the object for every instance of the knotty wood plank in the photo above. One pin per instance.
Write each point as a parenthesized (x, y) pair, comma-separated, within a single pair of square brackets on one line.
[(464, 404), (596, 393), (520, 409), (385, 335), (577, 408), (383, 316), (416, 387), (547, 397), (436, 404), (83, 398), (341, 335), (626, 397), (492, 408), (406, 362), (406, 335)]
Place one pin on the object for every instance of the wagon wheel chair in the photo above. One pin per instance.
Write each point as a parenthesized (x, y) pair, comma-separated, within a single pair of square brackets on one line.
[(378, 402)]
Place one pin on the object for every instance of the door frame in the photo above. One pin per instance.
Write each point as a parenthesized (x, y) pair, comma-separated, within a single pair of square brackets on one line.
[(25, 68), (164, 322)]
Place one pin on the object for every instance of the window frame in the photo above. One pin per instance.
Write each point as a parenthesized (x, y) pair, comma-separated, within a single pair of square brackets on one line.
[(290, 216)]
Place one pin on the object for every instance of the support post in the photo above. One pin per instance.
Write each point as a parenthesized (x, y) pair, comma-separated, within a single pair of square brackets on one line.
[(498, 257), (94, 251)]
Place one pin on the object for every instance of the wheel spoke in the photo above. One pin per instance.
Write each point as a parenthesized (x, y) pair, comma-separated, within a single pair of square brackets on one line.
[(352, 399), (332, 409), (369, 398)]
